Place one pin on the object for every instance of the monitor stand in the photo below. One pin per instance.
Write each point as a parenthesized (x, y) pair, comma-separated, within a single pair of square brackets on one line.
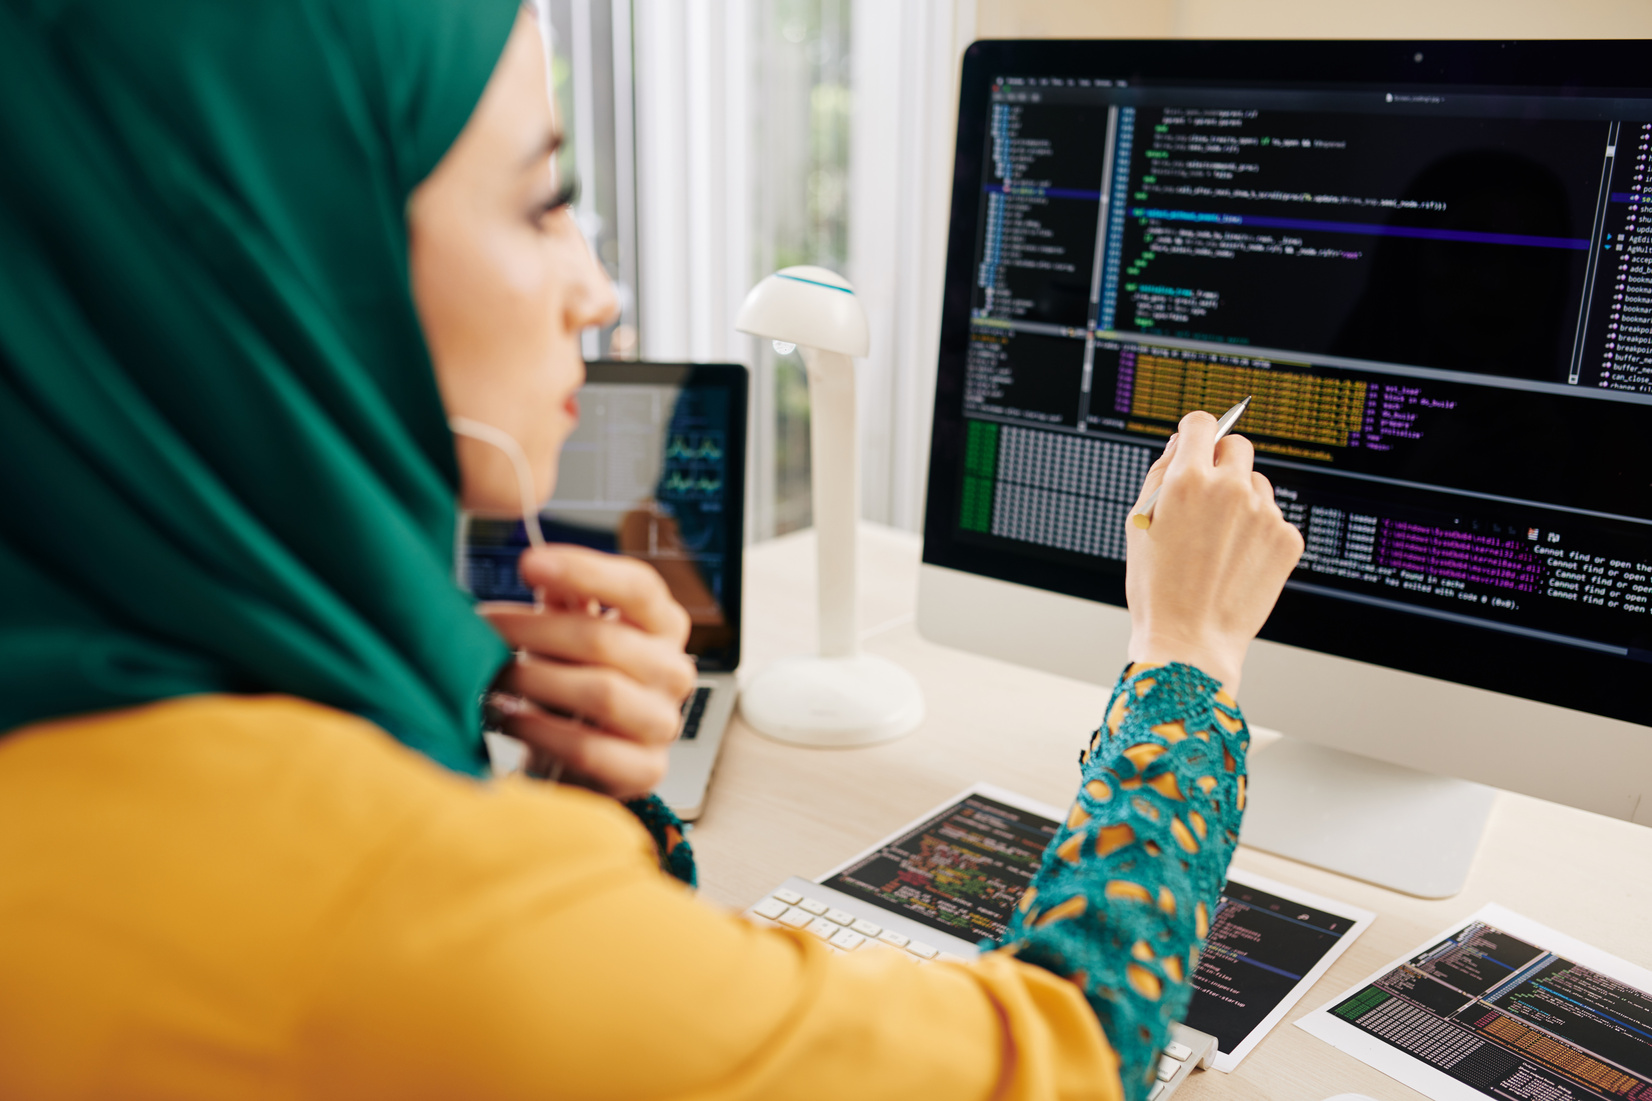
[(1392, 826)]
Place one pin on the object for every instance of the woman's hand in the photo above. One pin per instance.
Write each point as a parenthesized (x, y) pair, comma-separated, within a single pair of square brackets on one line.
[(1202, 579), (600, 674)]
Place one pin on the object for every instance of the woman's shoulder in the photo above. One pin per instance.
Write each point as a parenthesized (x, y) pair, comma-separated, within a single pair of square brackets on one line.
[(301, 767), (249, 752), (220, 850)]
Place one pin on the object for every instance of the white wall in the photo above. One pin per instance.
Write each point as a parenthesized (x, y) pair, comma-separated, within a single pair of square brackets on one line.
[(1314, 18)]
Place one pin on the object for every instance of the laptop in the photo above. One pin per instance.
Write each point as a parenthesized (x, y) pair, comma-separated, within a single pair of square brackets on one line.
[(655, 470)]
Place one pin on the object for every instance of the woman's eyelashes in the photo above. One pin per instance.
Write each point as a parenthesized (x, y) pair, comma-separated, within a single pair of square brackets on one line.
[(562, 198)]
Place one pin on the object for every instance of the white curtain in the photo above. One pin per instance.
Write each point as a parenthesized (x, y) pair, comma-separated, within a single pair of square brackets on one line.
[(906, 55), (694, 190)]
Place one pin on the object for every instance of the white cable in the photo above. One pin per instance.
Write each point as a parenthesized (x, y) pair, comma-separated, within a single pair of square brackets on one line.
[(506, 442)]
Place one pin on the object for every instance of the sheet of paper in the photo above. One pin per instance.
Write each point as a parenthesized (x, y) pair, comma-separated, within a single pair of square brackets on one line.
[(1500, 1006), (1269, 943)]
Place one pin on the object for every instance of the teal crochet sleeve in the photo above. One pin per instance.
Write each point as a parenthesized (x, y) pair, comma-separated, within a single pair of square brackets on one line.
[(1122, 902), (663, 825)]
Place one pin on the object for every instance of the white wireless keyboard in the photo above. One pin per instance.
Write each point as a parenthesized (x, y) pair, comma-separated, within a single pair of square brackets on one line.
[(840, 929), (848, 924)]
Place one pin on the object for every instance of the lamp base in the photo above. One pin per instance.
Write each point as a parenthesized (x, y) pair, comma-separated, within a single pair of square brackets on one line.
[(833, 702)]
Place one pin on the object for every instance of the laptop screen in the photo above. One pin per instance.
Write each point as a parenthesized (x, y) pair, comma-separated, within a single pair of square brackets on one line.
[(655, 470)]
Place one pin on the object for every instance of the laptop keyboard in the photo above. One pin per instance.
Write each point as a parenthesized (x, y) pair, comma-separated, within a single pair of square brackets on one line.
[(694, 709)]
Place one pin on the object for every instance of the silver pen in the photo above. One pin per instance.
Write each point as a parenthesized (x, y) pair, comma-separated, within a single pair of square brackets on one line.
[(1224, 424)]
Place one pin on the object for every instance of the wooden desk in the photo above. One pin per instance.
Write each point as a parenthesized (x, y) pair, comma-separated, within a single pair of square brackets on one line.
[(778, 810)]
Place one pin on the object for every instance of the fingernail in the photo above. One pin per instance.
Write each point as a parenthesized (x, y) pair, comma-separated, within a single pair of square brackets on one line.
[(508, 704), (1171, 442)]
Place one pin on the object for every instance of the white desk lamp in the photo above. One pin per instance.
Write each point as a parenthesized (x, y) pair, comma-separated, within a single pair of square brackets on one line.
[(839, 697)]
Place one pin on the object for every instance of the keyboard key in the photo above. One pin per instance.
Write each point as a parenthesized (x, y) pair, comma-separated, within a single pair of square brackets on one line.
[(1168, 1068), (770, 908), (948, 957), (842, 917), (889, 936), (1158, 1089), (790, 898), (847, 941), (1178, 1052), (814, 906), (795, 918), (921, 950), (694, 709), (866, 928), (822, 928)]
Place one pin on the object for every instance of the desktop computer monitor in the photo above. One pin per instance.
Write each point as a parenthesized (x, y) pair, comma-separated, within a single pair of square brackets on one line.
[(1425, 262)]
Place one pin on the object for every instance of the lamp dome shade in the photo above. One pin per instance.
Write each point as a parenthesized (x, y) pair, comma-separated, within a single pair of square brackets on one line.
[(806, 305)]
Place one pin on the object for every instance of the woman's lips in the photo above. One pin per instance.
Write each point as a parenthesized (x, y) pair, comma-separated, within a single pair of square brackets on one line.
[(572, 407)]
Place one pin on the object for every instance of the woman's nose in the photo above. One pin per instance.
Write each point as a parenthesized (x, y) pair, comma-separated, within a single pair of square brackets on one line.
[(594, 300)]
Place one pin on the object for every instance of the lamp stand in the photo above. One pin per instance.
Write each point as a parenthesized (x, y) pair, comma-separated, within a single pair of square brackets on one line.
[(839, 697)]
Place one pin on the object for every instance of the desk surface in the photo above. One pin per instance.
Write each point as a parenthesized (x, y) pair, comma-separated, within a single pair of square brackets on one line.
[(777, 810)]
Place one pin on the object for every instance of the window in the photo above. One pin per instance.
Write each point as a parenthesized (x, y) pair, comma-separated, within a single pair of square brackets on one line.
[(720, 140)]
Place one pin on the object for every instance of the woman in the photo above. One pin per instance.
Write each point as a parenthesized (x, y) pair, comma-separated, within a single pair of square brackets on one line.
[(254, 260)]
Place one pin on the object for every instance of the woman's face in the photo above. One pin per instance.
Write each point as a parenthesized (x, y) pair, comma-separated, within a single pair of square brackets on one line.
[(504, 281)]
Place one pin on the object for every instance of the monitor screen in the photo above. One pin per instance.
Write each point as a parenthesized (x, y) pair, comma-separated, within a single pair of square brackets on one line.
[(1425, 263), (654, 470)]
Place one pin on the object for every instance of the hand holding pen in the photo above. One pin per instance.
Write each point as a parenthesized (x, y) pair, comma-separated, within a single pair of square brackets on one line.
[(1142, 515), (1202, 578)]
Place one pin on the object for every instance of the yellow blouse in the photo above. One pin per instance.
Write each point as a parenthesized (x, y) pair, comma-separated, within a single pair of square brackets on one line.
[(231, 897)]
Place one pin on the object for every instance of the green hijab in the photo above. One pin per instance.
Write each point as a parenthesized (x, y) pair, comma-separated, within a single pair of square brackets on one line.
[(224, 464)]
